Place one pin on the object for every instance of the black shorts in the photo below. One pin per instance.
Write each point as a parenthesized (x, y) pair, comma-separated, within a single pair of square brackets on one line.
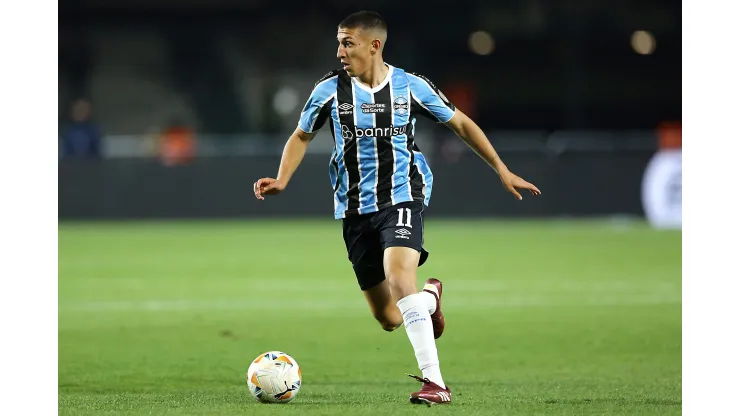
[(367, 236)]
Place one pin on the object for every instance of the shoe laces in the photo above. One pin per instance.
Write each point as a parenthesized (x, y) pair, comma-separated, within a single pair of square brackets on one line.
[(428, 384)]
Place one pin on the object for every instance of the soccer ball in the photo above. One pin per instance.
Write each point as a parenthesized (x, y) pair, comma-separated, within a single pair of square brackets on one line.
[(274, 377)]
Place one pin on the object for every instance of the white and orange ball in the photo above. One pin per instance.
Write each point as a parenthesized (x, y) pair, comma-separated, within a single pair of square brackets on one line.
[(274, 377)]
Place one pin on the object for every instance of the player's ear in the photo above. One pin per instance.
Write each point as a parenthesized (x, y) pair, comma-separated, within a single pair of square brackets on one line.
[(376, 45)]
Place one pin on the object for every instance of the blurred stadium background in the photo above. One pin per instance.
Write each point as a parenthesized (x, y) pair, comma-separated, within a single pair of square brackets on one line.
[(576, 95), (170, 110)]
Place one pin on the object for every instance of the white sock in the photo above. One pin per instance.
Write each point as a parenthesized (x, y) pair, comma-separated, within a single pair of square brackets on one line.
[(429, 299), (418, 325)]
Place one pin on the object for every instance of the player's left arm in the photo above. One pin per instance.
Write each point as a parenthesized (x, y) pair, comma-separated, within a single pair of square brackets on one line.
[(429, 101), (471, 134)]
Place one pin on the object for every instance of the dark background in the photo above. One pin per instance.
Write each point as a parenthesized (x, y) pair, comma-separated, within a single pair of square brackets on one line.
[(564, 95)]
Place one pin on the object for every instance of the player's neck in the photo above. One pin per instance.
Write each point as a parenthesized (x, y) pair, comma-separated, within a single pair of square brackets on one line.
[(375, 75)]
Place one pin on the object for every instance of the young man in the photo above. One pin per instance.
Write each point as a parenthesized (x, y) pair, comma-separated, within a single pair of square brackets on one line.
[(382, 182)]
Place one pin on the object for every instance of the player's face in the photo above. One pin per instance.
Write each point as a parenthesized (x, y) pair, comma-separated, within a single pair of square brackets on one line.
[(354, 51)]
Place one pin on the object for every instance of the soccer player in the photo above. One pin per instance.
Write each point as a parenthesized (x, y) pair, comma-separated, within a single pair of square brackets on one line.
[(382, 182)]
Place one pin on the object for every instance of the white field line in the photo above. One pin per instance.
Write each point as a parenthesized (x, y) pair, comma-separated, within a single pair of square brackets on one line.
[(479, 302)]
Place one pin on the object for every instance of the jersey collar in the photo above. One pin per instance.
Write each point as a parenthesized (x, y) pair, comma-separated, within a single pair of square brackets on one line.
[(380, 86)]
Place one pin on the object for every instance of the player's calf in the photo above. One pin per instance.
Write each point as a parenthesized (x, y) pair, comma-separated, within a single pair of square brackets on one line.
[(400, 269)]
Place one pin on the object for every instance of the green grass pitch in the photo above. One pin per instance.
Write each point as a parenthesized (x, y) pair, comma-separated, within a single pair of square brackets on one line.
[(543, 317)]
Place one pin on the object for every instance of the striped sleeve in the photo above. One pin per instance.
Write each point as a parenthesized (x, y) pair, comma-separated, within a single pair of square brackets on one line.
[(318, 106), (430, 101)]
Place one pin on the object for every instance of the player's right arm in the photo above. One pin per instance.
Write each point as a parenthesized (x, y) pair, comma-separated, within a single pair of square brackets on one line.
[(293, 154), (313, 116)]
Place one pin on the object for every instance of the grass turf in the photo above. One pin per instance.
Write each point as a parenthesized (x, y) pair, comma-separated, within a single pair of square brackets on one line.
[(543, 317)]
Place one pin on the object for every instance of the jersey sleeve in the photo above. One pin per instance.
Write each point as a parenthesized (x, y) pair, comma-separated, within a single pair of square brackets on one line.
[(428, 100), (318, 106)]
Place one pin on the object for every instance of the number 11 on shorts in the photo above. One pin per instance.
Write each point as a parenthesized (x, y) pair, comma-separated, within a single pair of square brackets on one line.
[(400, 218)]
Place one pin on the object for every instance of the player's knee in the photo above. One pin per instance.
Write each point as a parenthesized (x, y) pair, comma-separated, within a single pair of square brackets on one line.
[(401, 272), (386, 322), (402, 284), (388, 325)]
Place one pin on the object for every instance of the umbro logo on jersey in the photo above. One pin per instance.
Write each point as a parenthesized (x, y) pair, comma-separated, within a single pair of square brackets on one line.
[(346, 108)]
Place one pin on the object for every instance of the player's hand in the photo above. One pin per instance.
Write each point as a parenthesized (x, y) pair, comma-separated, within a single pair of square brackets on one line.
[(267, 186), (512, 182)]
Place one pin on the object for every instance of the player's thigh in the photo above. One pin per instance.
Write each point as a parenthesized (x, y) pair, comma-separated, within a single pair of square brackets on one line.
[(364, 251), (402, 225), (402, 234)]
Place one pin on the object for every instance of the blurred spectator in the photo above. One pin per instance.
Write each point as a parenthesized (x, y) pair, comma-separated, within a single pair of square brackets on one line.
[(669, 135), (81, 140), (177, 144)]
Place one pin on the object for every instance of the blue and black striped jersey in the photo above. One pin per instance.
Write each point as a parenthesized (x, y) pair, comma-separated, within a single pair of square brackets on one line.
[(375, 162)]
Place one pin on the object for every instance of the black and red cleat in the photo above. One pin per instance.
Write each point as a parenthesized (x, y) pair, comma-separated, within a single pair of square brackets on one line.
[(434, 287), (430, 393)]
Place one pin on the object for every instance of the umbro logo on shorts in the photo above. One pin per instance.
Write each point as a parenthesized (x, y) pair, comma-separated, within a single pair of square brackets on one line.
[(403, 233)]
